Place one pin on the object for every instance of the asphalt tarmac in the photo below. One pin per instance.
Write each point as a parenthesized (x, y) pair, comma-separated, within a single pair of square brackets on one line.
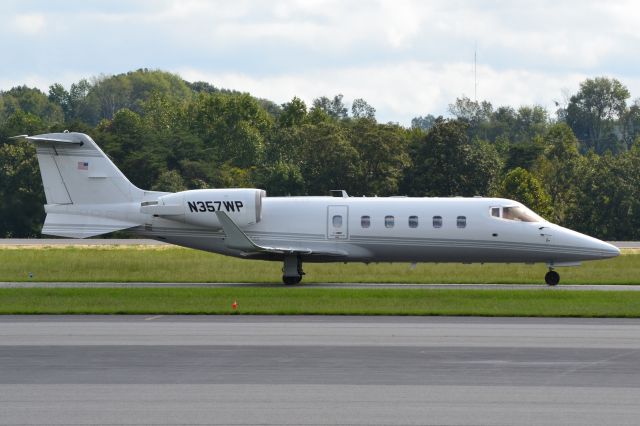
[(250, 370)]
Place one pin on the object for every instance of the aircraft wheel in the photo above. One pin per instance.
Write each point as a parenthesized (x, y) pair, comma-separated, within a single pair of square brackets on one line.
[(552, 278), (292, 270), (291, 280)]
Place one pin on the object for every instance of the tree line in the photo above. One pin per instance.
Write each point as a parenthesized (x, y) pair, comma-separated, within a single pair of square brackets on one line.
[(579, 167)]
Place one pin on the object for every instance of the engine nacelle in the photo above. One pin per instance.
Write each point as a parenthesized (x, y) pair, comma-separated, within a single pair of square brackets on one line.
[(198, 206)]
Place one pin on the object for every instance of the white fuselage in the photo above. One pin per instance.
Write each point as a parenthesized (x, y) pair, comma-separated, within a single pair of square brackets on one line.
[(88, 195), (394, 229)]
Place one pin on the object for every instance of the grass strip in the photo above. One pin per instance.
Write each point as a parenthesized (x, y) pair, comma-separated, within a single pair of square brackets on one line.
[(314, 301), (174, 264)]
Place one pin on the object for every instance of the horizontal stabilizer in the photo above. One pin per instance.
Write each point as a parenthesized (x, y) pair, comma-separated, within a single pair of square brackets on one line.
[(80, 226), (43, 138), (76, 141), (238, 240)]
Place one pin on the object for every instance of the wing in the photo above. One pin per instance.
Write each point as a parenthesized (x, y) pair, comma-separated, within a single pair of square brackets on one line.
[(238, 240)]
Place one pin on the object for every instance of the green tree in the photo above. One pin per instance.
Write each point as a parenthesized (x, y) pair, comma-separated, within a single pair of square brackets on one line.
[(232, 126), (524, 155), (22, 123), (522, 186), (423, 123), (108, 94), (557, 168), (594, 110), (631, 125), (293, 113), (31, 101), (382, 157), (162, 113), (132, 148), (334, 108), (328, 159), (530, 122), (281, 178), (476, 115), (608, 196), (59, 95), (361, 109), (21, 211), (446, 163), (169, 181)]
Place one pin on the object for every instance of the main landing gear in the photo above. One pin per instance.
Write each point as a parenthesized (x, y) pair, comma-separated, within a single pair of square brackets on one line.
[(552, 278), (292, 270)]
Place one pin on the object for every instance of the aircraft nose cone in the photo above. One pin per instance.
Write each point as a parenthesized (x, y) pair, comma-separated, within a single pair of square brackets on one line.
[(587, 248), (609, 250), (603, 250)]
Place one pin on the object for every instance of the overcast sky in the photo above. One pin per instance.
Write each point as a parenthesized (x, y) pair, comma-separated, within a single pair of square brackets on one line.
[(405, 58)]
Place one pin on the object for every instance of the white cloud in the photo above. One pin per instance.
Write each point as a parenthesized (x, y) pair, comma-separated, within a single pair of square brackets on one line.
[(40, 81), (405, 57), (29, 24), (400, 92)]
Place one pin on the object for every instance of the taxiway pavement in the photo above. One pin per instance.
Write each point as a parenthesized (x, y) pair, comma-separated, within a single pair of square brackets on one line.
[(320, 370)]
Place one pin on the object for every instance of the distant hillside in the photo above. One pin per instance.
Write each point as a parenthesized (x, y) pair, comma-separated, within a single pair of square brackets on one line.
[(169, 134)]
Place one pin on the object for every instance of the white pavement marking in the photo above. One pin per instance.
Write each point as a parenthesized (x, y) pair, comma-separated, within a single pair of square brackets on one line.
[(153, 317)]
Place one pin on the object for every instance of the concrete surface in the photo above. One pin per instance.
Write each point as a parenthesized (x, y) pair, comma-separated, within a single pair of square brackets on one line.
[(318, 370)]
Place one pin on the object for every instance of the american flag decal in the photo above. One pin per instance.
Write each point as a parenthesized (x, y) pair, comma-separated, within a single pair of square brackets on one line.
[(82, 165)]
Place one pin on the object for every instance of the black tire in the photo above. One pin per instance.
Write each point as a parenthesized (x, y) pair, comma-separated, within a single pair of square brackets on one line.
[(552, 278), (291, 280)]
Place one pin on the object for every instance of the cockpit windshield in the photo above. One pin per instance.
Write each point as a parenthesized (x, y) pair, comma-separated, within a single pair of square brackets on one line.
[(517, 213)]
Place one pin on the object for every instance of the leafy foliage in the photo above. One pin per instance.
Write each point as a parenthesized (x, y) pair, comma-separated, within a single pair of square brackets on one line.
[(446, 163), (21, 191), (581, 169), (520, 185), (594, 110)]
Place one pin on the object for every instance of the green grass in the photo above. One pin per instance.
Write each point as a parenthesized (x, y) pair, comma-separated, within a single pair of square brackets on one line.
[(173, 264), (300, 300)]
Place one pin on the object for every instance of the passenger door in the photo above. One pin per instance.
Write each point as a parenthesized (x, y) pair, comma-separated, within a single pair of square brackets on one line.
[(337, 222)]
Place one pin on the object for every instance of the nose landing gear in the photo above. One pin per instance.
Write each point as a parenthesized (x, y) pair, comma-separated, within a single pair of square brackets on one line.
[(552, 278)]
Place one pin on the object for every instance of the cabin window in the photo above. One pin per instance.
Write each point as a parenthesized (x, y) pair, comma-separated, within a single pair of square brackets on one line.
[(337, 221), (389, 221), (365, 221), (437, 221), (461, 221), (495, 211), (413, 221)]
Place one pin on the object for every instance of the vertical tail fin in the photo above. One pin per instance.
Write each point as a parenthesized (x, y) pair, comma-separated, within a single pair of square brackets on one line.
[(86, 193), (75, 171)]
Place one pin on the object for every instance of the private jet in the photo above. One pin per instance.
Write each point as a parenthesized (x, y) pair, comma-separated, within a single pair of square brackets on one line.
[(87, 195)]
